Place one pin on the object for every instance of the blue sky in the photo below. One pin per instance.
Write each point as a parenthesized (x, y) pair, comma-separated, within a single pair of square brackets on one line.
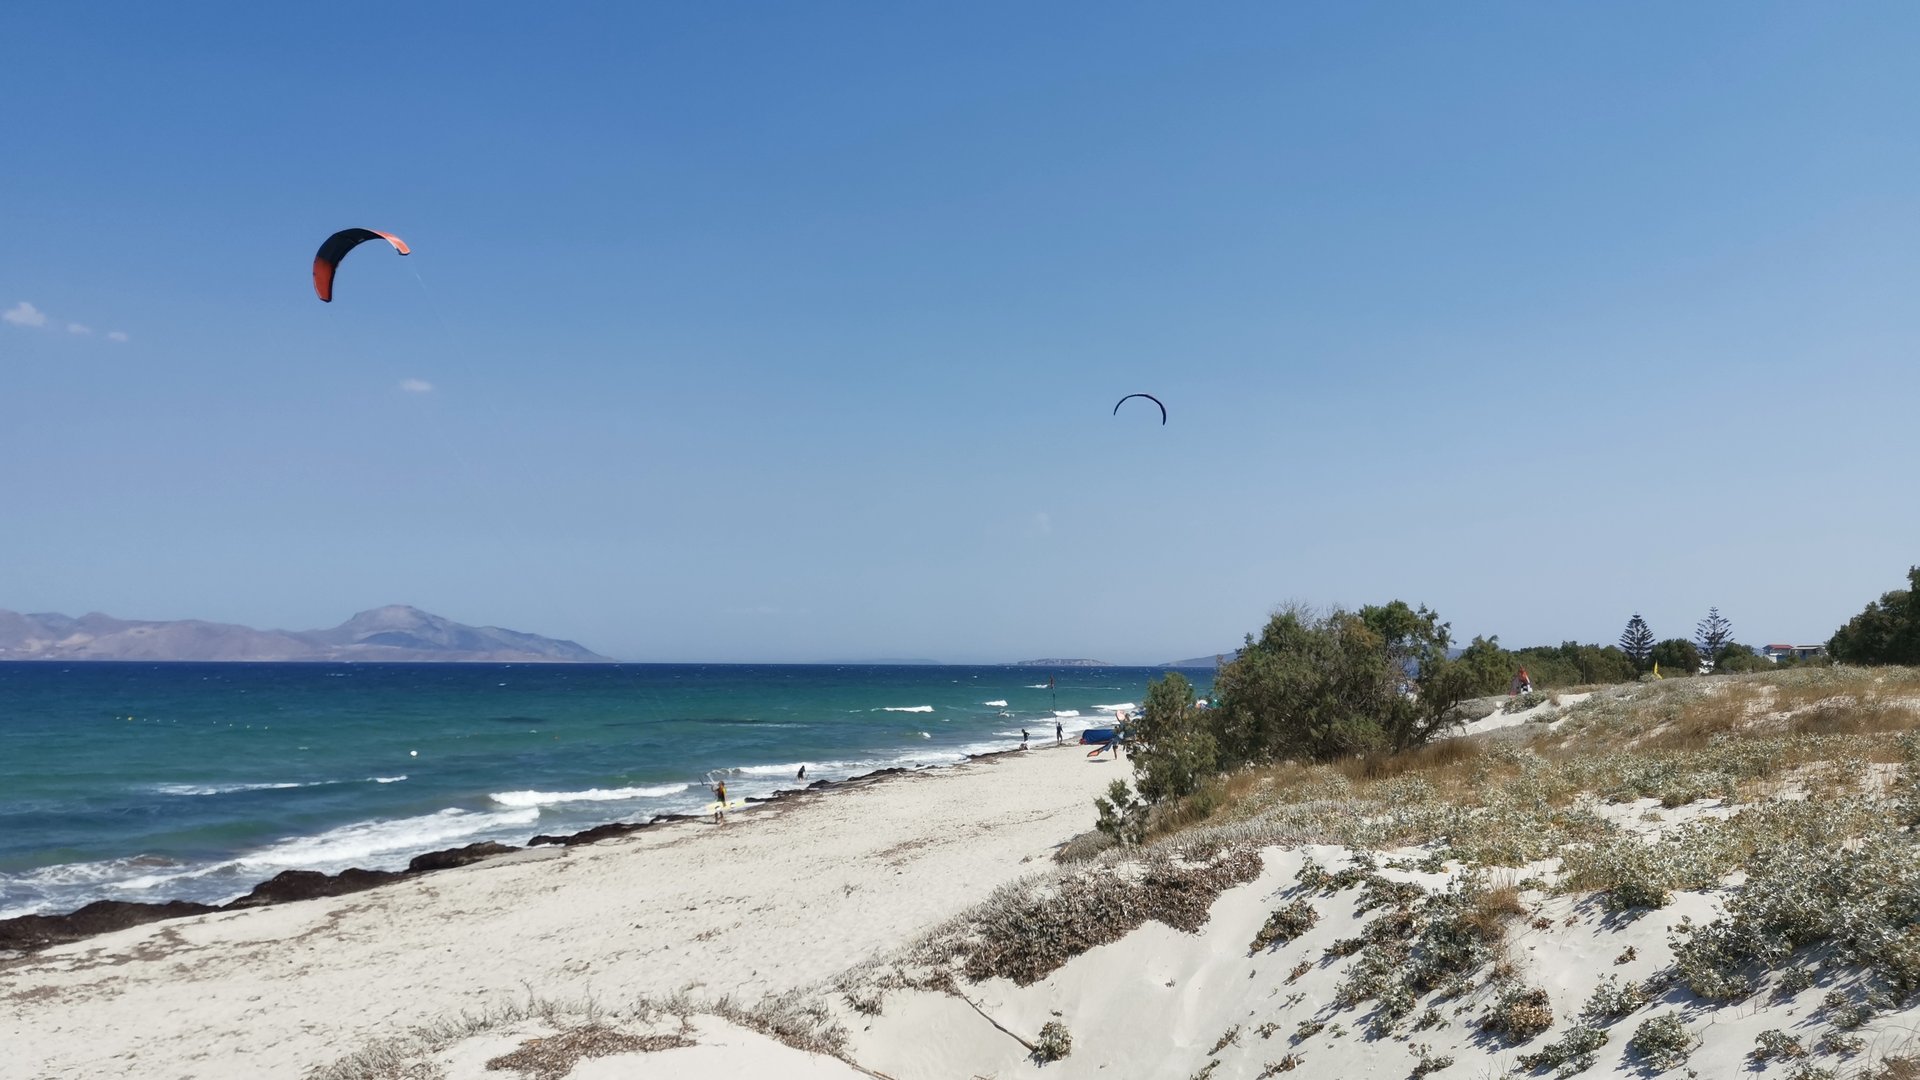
[(765, 332)]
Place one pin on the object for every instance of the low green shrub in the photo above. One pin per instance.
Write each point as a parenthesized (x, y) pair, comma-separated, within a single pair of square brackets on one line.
[(1574, 1053), (1053, 1043), (1284, 925), (1612, 1000), (1662, 1041)]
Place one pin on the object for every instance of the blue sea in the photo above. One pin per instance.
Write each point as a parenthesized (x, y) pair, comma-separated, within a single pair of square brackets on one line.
[(150, 782)]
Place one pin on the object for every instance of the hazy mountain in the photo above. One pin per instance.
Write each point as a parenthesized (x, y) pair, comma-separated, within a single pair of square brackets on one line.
[(1202, 661), (1061, 663), (394, 633)]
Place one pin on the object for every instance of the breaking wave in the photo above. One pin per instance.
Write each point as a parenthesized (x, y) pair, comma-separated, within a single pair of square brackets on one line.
[(549, 798)]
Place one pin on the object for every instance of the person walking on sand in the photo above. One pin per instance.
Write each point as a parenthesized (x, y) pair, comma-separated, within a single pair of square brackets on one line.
[(1023, 738), (720, 805)]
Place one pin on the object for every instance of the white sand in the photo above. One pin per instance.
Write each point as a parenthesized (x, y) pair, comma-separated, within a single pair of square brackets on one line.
[(778, 898), (789, 898)]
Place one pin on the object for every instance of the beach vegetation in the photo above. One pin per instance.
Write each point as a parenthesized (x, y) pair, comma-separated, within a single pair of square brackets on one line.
[(1053, 1043), (1121, 816), (1574, 1052), (1285, 924), (1172, 747), (1519, 1013), (1887, 632), (1317, 687), (1662, 1041), (1612, 1000), (1776, 1045), (1029, 929)]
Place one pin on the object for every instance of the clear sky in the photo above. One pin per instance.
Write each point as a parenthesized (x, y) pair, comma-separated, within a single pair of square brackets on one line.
[(790, 332)]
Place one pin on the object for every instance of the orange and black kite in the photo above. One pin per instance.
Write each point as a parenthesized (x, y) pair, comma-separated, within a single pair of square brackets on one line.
[(336, 248)]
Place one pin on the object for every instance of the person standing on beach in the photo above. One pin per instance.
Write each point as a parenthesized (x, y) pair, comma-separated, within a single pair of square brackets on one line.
[(1059, 733), (720, 809), (1023, 738)]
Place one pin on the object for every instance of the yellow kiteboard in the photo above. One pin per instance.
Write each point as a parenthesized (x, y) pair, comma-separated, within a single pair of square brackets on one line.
[(731, 804)]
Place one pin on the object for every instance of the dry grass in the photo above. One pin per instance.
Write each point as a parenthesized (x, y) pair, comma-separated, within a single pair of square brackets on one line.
[(584, 1028), (1427, 760), (1487, 916), (1905, 1067), (554, 1057)]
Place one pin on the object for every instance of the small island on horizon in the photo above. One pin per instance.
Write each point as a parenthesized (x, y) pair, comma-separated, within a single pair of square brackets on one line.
[(396, 633)]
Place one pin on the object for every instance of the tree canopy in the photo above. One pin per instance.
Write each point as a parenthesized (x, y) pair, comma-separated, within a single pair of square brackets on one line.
[(1887, 632)]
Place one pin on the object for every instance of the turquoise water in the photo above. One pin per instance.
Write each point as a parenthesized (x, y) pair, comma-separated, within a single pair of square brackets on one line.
[(197, 781)]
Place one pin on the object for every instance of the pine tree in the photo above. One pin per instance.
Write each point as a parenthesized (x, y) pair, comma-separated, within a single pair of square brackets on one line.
[(1637, 641), (1712, 635)]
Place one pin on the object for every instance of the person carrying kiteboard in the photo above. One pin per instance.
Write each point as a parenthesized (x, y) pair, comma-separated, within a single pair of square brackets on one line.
[(720, 805)]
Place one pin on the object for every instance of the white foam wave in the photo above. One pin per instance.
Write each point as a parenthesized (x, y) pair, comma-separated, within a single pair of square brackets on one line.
[(1125, 706), (371, 839), (907, 708), (223, 789), (548, 798), (386, 779), (1038, 686), (378, 844), (791, 768), (994, 704), (1066, 713)]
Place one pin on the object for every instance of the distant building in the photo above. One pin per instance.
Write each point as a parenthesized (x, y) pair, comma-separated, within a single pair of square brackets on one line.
[(1798, 652)]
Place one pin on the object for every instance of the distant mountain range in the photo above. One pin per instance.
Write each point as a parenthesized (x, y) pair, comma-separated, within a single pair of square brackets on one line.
[(1202, 661), (1061, 663), (396, 633)]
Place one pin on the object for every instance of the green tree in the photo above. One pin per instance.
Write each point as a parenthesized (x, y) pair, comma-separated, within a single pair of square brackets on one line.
[(1307, 688), (1676, 656), (1317, 687), (1489, 667), (1172, 748), (1711, 636), (1887, 632), (1415, 643), (1736, 658), (1637, 642)]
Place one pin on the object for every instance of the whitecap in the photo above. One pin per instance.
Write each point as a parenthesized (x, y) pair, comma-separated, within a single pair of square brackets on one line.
[(224, 789), (1066, 713), (907, 708), (548, 798), (994, 704), (1039, 686), (1125, 706), (381, 837)]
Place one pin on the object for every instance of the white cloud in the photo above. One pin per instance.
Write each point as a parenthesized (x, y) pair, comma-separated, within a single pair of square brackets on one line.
[(24, 314), (117, 335), (416, 386), (78, 328)]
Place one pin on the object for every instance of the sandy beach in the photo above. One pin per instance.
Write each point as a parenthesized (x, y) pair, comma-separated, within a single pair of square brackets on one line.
[(816, 937), (779, 898)]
